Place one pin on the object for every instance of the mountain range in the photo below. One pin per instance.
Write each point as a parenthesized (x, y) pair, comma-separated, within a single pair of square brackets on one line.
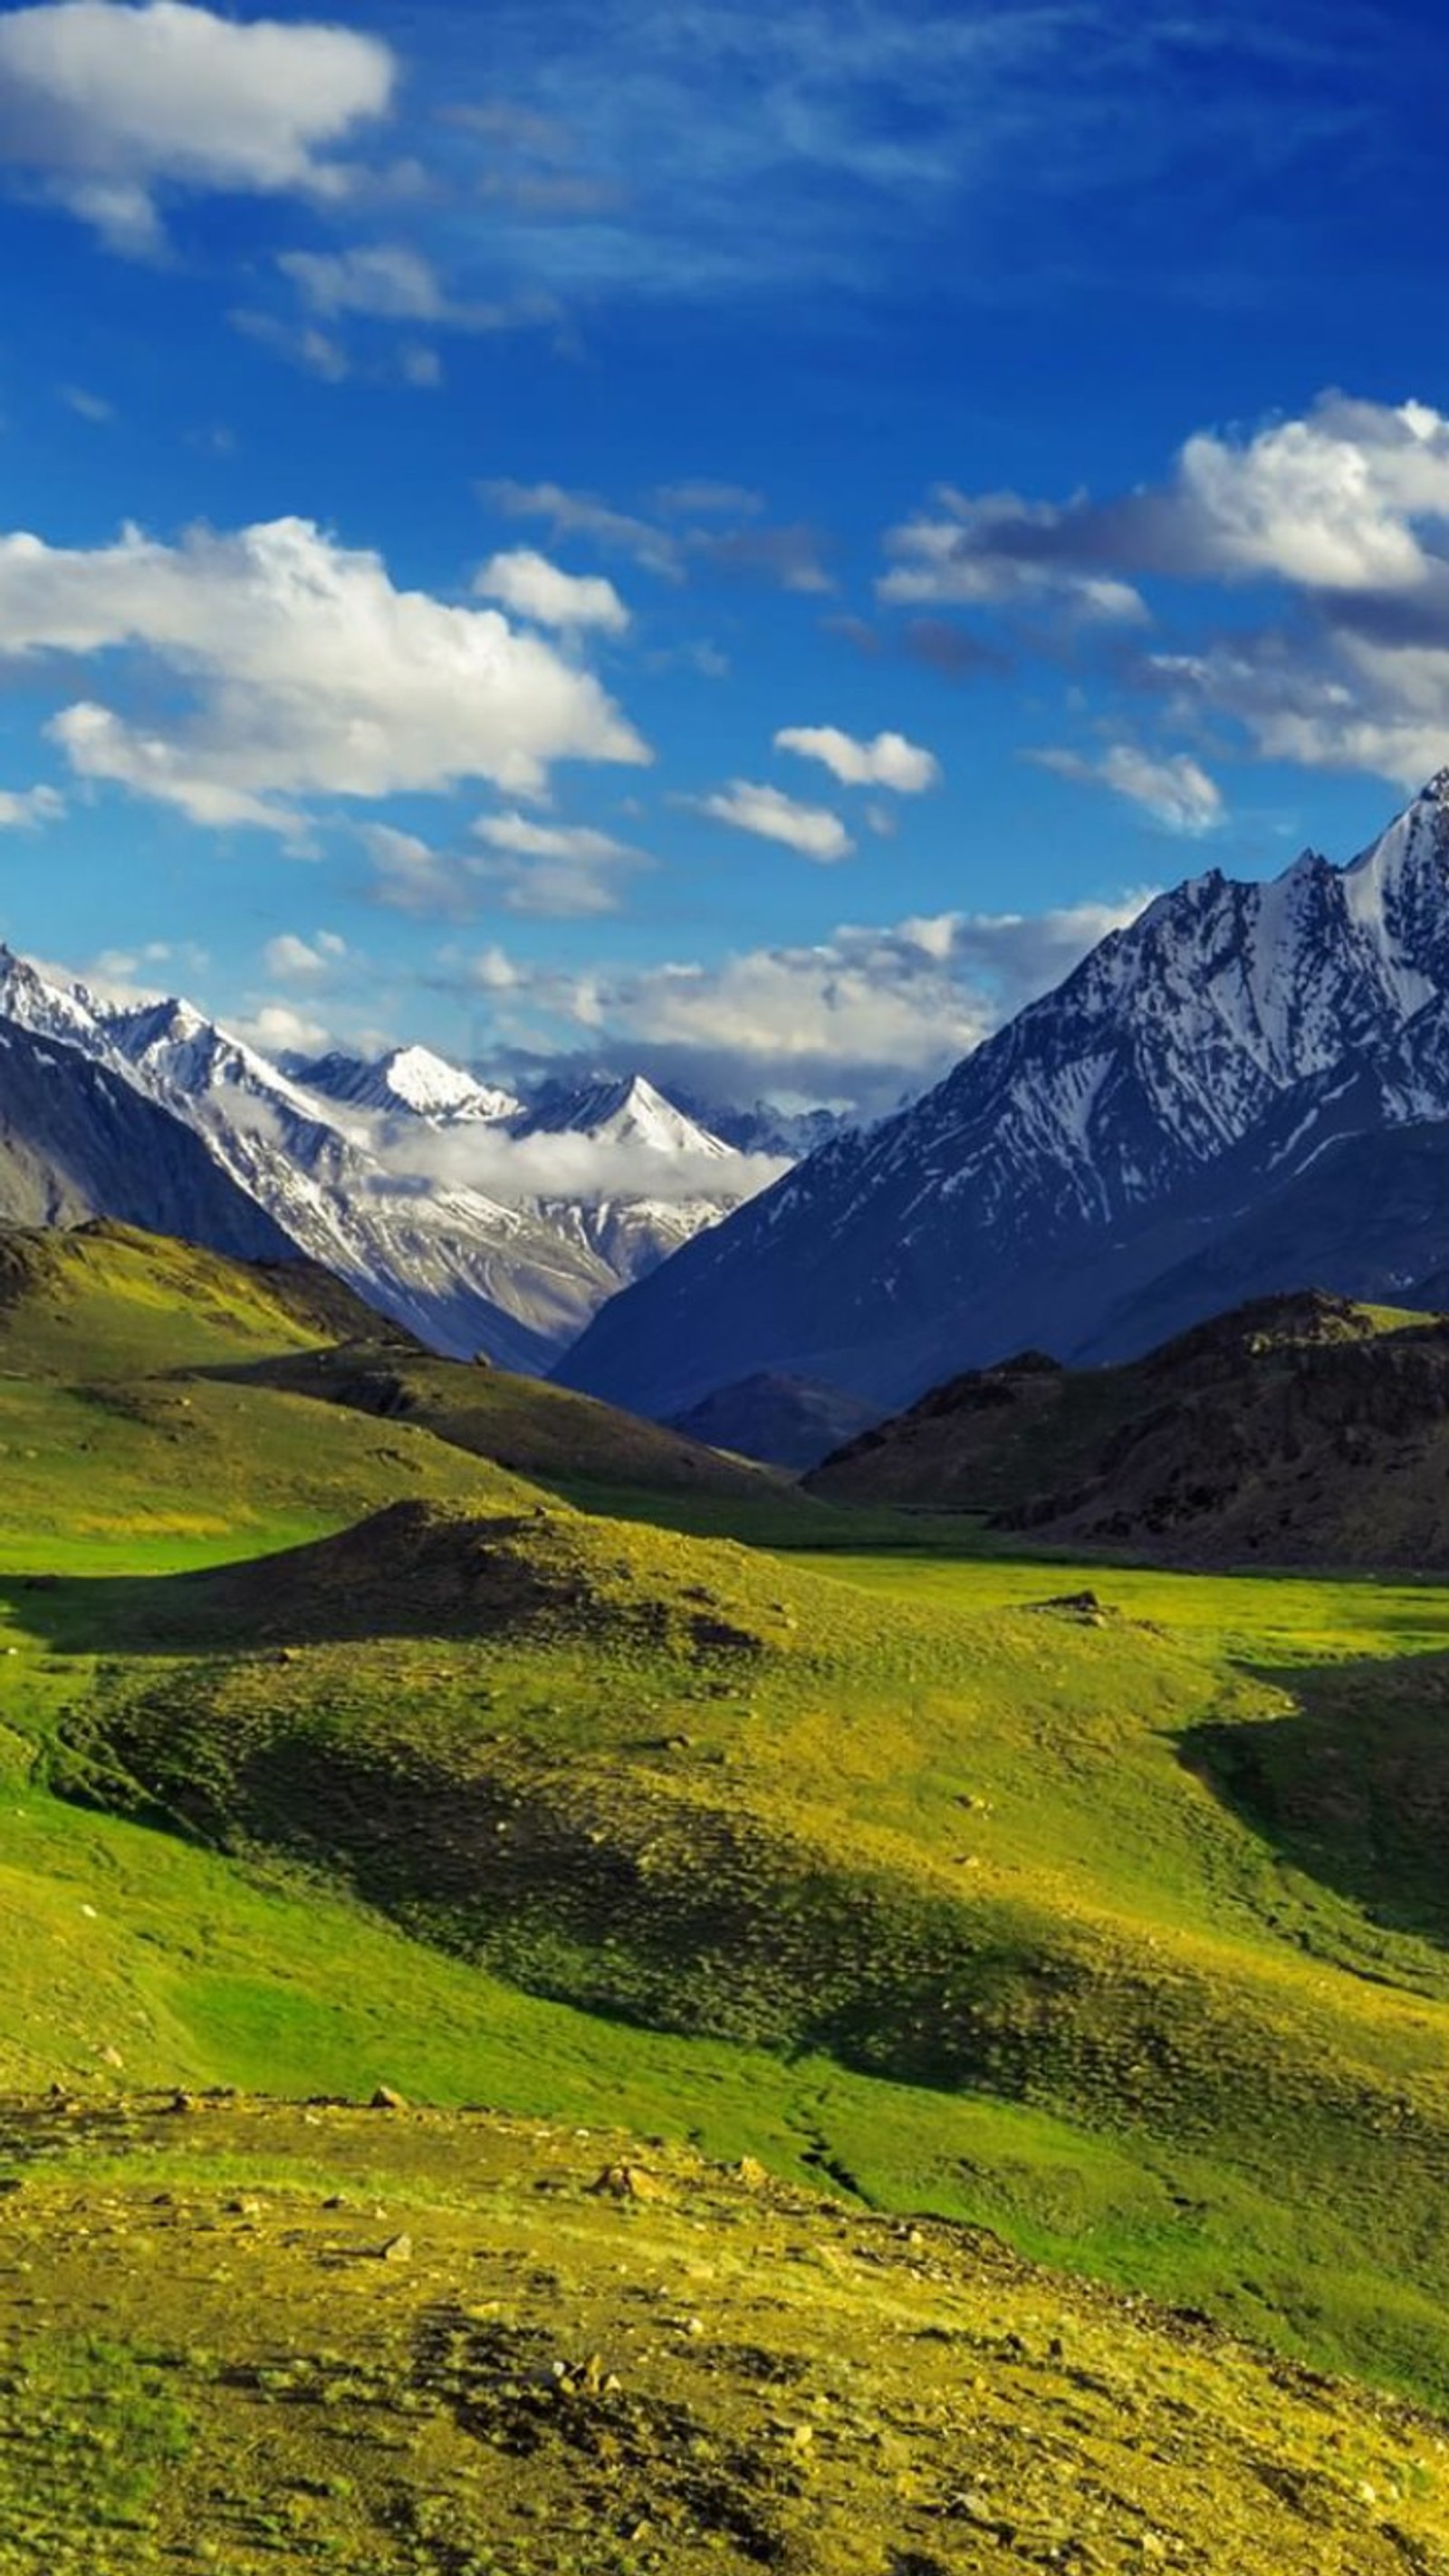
[(482, 1223), (1245, 1090)]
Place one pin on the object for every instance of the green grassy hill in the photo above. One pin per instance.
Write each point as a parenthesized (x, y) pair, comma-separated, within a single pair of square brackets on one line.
[(333, 1753), (542, 1431), (1303, 1429)]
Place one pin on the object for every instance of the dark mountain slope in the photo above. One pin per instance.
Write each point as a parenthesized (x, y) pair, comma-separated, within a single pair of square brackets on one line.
[(1192, 1067), (785, 1421), (1301, 1429), (76, 1142)]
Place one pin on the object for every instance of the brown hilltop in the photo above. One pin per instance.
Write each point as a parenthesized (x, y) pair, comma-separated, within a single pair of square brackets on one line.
[(1297, 1429)]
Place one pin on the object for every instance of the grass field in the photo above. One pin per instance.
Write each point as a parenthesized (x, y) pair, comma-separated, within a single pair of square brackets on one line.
[(335, 1754)]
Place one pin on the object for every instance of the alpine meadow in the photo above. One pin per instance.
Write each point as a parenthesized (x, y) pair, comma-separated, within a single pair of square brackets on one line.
[(724, 1290)]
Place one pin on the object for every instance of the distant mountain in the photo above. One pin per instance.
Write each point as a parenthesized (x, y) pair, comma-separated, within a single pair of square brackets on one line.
[(628, 1123), (408, 1080), (783, 1421), (1298, 1429), (763, 1128), (401, 1176), (77, 1141), (1189, 1073)]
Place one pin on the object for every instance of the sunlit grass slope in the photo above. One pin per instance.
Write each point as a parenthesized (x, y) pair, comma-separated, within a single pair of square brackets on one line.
[(382, 2342), (901, 1867)]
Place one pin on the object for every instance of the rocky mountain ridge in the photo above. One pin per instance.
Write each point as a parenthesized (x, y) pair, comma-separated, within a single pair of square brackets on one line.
[(398, 1176), (1211, 1056)]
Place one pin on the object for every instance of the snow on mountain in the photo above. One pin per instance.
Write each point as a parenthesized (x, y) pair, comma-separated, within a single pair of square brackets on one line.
[(430, 1192), (1190, 1067), (77, 1140), (409, 1080), (629, 1126), (626, 1111)]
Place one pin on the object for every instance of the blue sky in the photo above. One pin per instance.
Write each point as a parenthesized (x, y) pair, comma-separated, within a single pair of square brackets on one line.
[(736, 539)]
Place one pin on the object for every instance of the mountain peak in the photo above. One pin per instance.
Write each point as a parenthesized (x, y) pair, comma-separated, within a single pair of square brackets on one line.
[(625, 1108)]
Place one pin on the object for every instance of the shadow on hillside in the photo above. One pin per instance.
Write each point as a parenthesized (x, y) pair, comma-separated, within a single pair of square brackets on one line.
[(1352, 1787), (420, 1570)]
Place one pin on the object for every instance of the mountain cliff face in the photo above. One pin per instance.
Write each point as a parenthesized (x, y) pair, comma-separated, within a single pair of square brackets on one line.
[(1195, 1066), (77, 1141)]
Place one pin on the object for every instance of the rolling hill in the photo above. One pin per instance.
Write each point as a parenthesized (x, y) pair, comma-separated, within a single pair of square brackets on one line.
[(1298, 1430), (336, 1755)]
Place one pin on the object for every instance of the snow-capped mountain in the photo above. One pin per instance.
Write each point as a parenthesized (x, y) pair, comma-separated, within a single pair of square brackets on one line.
[(627, 1123), (623, 1110), (1193, 1067), (77, 1140), (409, 1178), (409, 1080)]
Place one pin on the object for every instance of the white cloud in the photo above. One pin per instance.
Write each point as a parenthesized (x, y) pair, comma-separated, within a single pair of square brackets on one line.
[(1345, 509), (582, 514), (516, 1169), (772, 816), (1332, 503), (853, 1018), (308, 673), (958, 559), (275, 1028), (558, 871), (109, 108), (388, 282), (1346, 703), (530, 586), (294, 960), (1172, 787), (888, 761), (24, 809)]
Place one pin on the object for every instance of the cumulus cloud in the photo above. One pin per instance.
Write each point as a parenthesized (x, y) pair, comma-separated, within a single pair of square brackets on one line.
[(277, 1028), (530, 586), (1332, 700), (888, 761), (564, 871), (1345, 509), (773, 816), (1172, 787), (24, 809), (306, 673), (294, 960), (852, 1019), (108, 108), (1342, 500)]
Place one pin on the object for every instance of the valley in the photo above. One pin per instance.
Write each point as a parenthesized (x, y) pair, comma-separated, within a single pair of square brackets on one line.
[(970, 1882)]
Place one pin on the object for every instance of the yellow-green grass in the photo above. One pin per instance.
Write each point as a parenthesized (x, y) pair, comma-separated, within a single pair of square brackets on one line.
[(387, 2343), (961, 1855), (857, 1856)]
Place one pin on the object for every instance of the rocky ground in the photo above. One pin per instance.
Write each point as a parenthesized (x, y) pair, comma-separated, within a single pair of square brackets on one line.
[(244, 2336)]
